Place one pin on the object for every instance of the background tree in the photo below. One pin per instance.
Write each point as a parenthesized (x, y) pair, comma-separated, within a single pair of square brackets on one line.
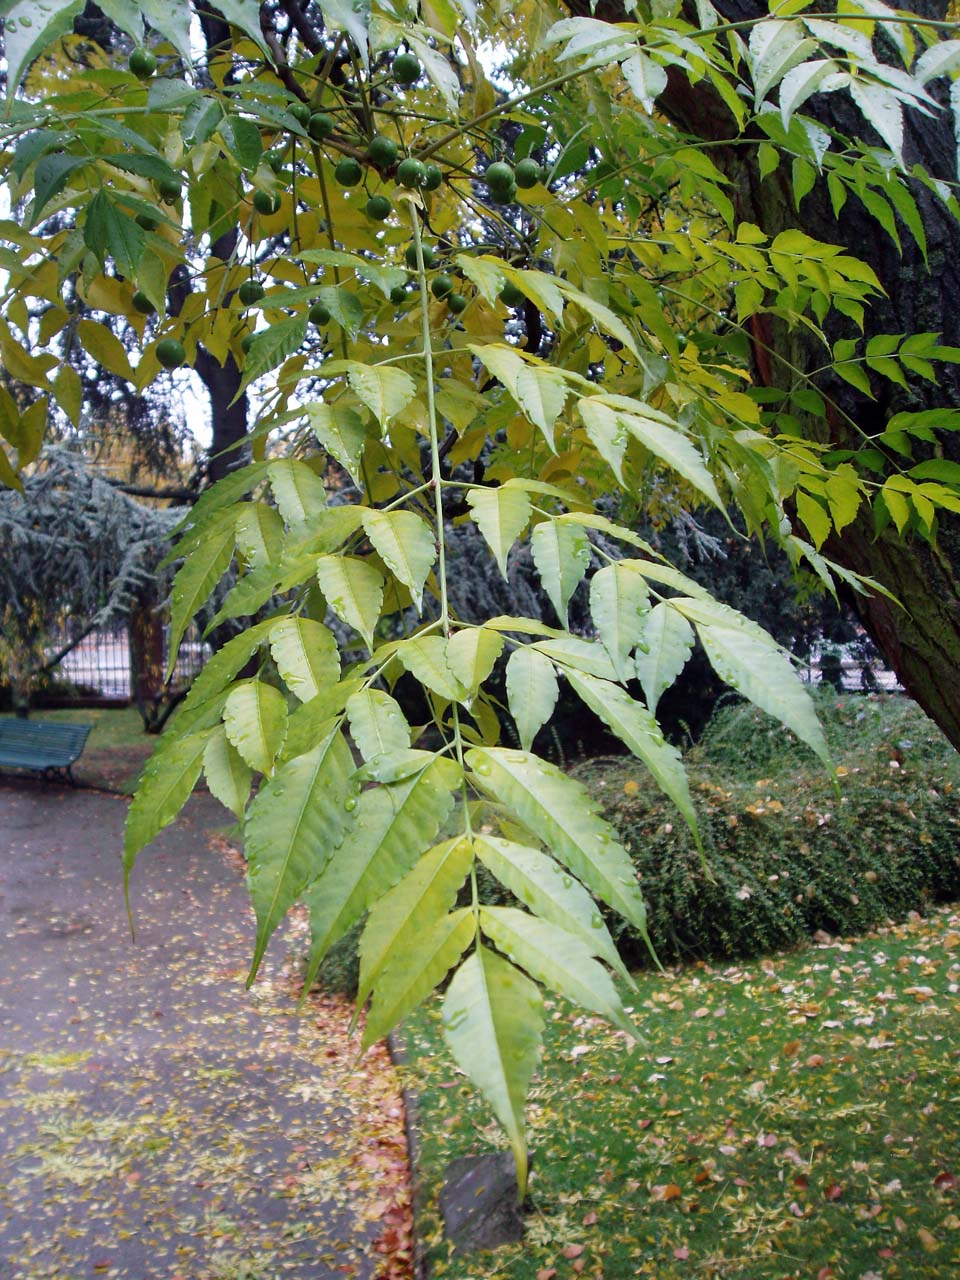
[(307, 210)]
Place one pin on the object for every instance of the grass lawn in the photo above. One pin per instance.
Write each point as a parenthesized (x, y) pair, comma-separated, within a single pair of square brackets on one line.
[(797, 1116), (116, 749)]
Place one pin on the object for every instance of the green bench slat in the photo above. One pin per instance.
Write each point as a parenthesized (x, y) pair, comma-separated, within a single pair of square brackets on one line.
[(41, 744)]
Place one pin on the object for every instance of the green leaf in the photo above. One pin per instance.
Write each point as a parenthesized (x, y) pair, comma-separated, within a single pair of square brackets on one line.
[(340, 431), (663, 650), (306, 655), (415, 972), (255, 719), (619, 607), (298, 490), (196, 578), (582, 655), (410, 908), (532, 692), (743, 655), (226, 491), (30, 27), (353, 589), (377, 724), (673, 448), (309, 723), (425, 657), (638, 730), (406, 544), (493, 1025), (172, 21), (259, 532), (605, 432), (164, 788), (559, 810), (602, 316), (472, 654), (541, 884), (218, 671), (501, 515), (541, 394), (297, 820), (245, 14), (393, 825), (383, 389), (270, 347), (559, 960), (227, 773), (243, 140), (561, 553), (51, 175), (352, 17)]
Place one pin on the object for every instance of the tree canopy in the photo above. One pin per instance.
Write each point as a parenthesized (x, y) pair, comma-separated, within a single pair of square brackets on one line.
[(523, 269)]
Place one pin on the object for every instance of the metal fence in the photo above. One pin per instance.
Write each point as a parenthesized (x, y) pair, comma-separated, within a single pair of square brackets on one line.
[(100, 665)]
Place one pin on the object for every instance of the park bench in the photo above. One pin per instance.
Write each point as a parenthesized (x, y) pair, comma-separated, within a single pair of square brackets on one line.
[(41, 745)]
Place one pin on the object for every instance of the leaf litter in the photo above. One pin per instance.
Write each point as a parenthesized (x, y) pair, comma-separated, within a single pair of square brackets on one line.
[(156, 1120)]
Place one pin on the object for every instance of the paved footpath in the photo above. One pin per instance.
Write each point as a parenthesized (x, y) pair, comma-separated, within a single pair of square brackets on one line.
[(157, 1120)]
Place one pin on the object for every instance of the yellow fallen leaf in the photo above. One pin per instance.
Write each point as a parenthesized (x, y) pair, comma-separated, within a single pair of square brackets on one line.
[(928, 1240)]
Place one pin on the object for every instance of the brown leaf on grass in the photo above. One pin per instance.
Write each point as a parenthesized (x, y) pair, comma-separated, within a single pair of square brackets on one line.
[(665, 1191), (681, 1253), (546, 1273), (572, 1250), (928, 1240), (833, 1192), (589, 1219), (791, 1048), (945, 1181)]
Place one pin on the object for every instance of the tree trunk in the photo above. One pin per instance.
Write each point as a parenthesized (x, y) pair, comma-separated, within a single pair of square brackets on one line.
[(920, 636)]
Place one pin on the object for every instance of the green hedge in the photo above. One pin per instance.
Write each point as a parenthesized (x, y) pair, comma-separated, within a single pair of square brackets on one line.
[(786, 855)]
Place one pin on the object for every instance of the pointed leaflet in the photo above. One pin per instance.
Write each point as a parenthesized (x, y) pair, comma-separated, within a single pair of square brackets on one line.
[(619, 605), (259, 533), (393, 824), (560, 812), (663, 651), (542, 885), (415, 972), (353, 589), (196, 578), (493, 1026), (532, 692), (406, 545), (501, 515), (245, 14), (307, 724), (541, 394), (217, 673), (377, 724), (472, 654), (605, 431), (557, 959), (306, 655), (743, 655), (352, 17), (164, 788), (667, 444), (227, 773), (410, 908), (383, 389), (255, 719), (602, 316), (236, 484), (271, 347), (298, 490), (425, 657), (582, 655), (293, 826), (30, 27), (561, 553), (646, 78), (341, 431), (638, 730)]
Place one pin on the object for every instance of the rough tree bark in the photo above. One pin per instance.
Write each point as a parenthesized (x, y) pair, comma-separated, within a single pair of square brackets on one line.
[(920, 637)]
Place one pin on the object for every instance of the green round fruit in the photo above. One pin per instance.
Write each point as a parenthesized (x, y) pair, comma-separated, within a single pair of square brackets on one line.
[(250, 291), (498, 176), (170, 353), (148, 221), (274, 160), (503, 195), (511, 296), (246, 342), (429, 256), (456, 303), (300, 112), (348, 171), (406, 68), (382, 151), (321, 126), (527, 173), (398, 295), (319, 314), (432, 177), (441, 285), (265, 202), (142, 63), (169, 190), (378, 208), (410, 172), (143, 304)]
